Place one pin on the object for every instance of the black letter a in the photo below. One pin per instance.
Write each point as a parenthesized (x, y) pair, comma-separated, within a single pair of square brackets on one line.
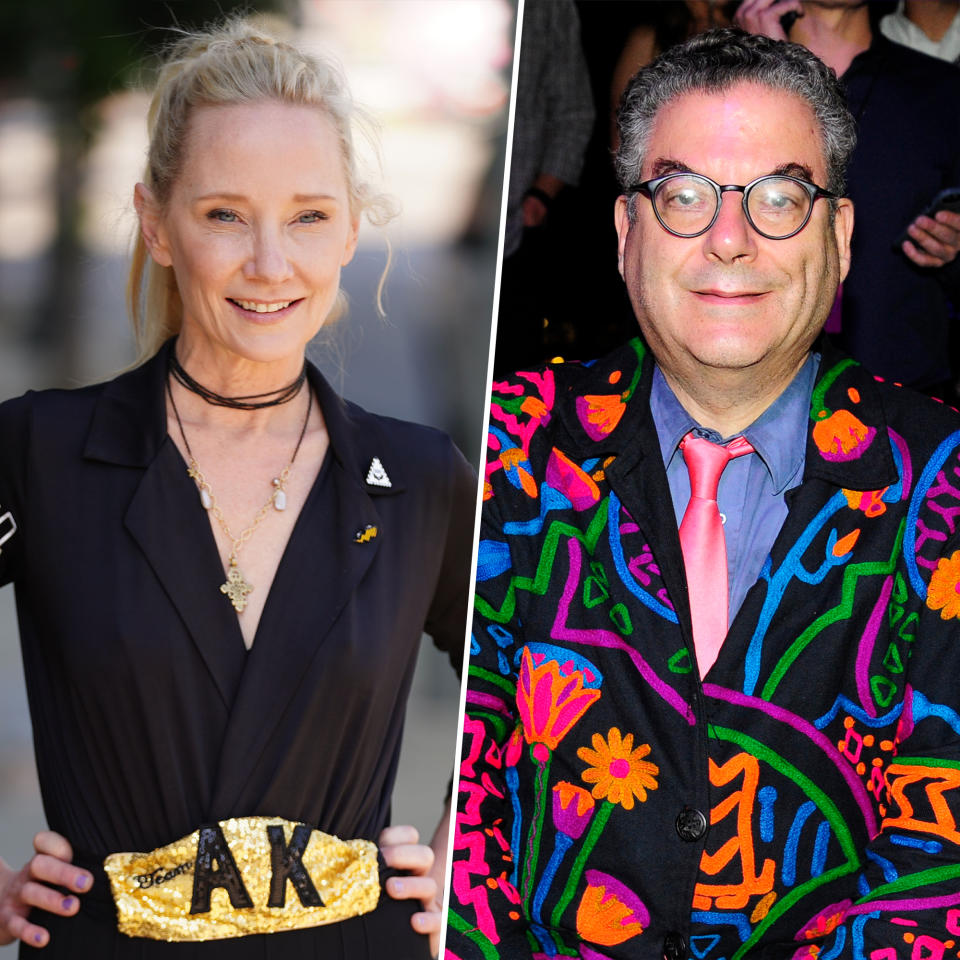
[(211, 846), (287, 864)]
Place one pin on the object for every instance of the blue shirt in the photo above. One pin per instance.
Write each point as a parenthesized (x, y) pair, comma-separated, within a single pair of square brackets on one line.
[(752, 487)]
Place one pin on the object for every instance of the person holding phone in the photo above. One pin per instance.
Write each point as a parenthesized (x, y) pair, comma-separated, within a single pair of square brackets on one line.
[(896, 303)]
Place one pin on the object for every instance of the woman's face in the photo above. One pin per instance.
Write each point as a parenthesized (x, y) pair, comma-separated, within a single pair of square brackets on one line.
[(256, 228)]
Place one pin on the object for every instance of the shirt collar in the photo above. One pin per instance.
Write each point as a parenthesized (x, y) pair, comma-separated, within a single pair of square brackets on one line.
[(129, 423), (778, 435)]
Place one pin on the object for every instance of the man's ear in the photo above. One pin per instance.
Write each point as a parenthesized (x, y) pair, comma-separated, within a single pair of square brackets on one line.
[(621, 217), (151, 224), (843, 230)]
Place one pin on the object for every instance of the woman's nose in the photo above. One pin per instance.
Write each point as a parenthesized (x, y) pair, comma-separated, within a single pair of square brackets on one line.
[(268, 260)]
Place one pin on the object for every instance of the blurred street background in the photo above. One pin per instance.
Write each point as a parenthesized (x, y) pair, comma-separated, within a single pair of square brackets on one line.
[(435, 74)]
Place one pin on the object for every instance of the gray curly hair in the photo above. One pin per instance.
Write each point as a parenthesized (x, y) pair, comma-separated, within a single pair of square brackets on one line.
[(717, 60)]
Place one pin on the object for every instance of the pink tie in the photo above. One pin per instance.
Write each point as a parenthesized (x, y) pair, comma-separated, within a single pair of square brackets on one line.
[(703, 544)]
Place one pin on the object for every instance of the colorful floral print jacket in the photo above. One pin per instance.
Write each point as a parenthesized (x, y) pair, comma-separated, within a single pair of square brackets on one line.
[(804, 799)]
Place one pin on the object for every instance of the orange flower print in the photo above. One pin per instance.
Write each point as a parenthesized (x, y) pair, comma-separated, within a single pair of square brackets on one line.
[(549, 702), (572, 809), (842, 436), (869, 501), (943, 594), (825, 922), (516, 466), (619, 773), (600, 413), (609, 911)]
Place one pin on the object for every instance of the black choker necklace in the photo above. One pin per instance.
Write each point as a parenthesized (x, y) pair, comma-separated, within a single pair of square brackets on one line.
[(253, 401)]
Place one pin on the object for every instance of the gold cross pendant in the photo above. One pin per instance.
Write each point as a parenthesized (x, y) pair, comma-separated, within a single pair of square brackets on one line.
[(236, 588)]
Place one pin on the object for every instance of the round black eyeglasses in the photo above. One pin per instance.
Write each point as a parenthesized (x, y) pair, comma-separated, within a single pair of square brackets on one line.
[(688, 204)]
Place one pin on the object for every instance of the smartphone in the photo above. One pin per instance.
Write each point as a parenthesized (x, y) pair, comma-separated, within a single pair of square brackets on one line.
[(948, 199), (788, 20)]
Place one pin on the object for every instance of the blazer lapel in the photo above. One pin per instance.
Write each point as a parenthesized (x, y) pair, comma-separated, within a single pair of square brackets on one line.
[(640, 483), (164, 515), (325, 560), (636, 475), (168, 523)]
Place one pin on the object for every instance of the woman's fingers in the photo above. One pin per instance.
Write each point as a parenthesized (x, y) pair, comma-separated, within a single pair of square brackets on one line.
[(402, 833), (412, 888), (48, 869), (34, 885), (428, 923), (416, 857), (20, 928), (402, 850), (53, 844), (46, 898), (52, 863)]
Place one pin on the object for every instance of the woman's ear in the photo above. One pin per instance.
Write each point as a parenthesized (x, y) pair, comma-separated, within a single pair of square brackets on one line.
[(151, 224)]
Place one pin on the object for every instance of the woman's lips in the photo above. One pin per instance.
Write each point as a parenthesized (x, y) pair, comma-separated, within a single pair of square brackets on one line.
[(263, 310)]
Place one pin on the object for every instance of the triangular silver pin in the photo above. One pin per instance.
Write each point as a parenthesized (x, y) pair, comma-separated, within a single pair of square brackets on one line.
[(376, 475)]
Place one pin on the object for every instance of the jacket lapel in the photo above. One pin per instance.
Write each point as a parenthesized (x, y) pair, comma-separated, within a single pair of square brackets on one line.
[(848, 446), (164, 516), (317, 578), (636, 475), (168, 523)]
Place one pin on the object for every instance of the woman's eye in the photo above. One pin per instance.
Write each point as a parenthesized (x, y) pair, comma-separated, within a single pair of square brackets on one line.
[(224, 216), (312, 216)]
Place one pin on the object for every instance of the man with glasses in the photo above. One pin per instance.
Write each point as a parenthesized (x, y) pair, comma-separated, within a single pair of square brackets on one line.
[(713, 709)]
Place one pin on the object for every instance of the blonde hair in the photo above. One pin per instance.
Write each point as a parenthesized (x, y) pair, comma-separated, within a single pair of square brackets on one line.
[(238, 61)]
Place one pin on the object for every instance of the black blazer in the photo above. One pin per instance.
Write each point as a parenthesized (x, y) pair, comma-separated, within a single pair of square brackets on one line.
[(150, 716)]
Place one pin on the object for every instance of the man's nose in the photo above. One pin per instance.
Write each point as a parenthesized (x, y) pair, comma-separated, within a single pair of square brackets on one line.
[(731, 237)]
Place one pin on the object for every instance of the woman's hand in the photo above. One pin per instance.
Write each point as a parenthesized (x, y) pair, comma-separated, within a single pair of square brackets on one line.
[(32, 886), (402, 850)]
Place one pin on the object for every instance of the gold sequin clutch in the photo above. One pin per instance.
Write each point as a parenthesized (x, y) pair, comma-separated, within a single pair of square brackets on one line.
[(242, 876)]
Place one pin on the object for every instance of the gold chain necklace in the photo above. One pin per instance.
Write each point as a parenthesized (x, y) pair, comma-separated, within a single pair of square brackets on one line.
[(237, 587)]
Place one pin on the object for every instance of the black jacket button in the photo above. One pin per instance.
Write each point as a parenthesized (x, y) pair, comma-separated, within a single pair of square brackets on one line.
[(691, 824), (674, 947)]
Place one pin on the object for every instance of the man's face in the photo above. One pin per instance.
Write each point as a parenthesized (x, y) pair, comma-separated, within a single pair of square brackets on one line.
[(732, 300)]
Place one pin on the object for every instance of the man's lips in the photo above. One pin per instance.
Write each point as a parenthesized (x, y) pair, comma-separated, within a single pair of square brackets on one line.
[(730, 297)]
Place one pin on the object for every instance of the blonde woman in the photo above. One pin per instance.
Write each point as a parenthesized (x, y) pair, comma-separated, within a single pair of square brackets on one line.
[(223, 569)]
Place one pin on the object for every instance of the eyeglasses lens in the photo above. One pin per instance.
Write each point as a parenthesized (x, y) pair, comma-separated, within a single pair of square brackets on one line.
[(778, 206), (686, 204)]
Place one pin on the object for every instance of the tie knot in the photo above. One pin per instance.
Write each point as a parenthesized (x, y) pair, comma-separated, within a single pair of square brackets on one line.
[(706, 462)]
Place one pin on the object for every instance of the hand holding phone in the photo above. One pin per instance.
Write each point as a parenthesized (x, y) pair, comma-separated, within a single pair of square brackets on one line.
[(933, 238), (770, 18)]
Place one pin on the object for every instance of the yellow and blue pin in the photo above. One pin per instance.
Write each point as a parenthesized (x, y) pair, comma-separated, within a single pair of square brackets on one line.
[(366, 534)]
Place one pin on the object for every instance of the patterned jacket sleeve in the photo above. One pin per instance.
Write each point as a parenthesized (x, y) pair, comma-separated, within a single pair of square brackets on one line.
[(485, 914)]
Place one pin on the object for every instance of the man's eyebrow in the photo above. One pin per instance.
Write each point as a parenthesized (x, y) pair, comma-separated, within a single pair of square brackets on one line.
[(665, 165), (794, 170)]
